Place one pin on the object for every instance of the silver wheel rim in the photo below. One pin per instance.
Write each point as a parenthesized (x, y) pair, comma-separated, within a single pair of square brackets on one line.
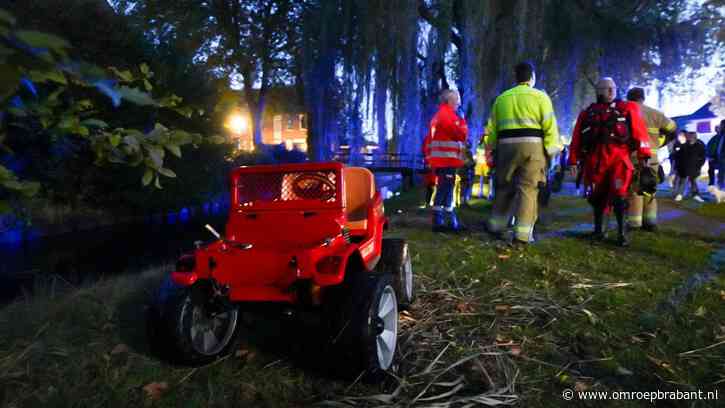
[(210, 334), (408, 273), (387, 339)]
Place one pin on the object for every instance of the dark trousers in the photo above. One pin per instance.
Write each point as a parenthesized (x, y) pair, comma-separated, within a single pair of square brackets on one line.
[(680, 187), (711, 167), (444, 189)]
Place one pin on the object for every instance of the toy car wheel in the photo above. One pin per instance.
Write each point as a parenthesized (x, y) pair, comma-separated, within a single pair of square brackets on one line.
[(374, 334), (202, 329), (395, 260)]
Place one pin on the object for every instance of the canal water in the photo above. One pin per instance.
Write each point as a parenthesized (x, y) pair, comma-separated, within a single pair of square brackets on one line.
[(81, 257)]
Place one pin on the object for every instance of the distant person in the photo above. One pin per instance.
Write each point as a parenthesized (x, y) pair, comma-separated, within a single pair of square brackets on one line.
[(716, 157), (448, 136), (522, 129), (689, 159), (642, 211), (467, 174), (605, 136), (672, 147), (481, 169)]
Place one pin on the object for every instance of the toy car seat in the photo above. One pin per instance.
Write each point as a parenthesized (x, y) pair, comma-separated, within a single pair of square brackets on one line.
[(359, 192)]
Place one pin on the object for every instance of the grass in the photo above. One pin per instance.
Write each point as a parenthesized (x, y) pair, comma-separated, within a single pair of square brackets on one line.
[(490, 324), (713, 210)]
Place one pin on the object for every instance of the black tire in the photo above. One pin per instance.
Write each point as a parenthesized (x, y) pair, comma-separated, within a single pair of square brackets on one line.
[(367, 333), (198, 330), (395, 260)]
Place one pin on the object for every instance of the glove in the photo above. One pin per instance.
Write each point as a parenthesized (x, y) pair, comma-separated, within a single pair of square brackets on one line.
[(647, 181)]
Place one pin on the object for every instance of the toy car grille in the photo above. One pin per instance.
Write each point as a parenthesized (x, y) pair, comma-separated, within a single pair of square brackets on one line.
[(285, 187)]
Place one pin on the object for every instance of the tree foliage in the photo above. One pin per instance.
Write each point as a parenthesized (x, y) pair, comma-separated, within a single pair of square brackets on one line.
[(44, 91)]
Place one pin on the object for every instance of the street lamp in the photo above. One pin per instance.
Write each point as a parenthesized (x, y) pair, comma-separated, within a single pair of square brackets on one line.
[(236, 123)]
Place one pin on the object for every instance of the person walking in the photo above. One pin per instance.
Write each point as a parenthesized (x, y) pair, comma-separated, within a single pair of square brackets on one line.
[(605, 135), (448, 135), (716, 157), (642, 212), (689, 159), (523, 131)]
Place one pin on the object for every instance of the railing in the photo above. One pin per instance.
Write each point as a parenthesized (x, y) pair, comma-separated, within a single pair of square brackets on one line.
[(401, 161)]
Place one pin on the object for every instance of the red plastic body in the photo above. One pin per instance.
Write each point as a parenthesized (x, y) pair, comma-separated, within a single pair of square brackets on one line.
[(277, 236)]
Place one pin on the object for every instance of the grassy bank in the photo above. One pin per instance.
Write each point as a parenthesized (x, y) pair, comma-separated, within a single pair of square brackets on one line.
[(491, 324)]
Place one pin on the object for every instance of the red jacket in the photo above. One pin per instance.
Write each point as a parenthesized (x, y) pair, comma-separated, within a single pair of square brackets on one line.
[(608, 162), (448, 133), (638, 134)]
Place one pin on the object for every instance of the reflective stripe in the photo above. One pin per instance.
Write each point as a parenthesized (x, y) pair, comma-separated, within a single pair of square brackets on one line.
[(441, 143), (634, 220), (517, 121), (520, 140), (445, 155), (523, 232)]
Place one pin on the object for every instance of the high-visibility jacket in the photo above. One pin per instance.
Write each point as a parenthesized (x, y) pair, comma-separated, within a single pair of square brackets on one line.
[(448, 133), (524, 114), (658, 126)]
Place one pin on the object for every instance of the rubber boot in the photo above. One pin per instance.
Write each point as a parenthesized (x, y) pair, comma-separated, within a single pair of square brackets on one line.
[(438, 221), (455, 223), (598, 234), (620, 208), (428, 195)]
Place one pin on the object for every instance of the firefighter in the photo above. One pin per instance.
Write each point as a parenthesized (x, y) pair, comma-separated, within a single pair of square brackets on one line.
[(523, 132), (642, 211), (605, 135), (448, 135)]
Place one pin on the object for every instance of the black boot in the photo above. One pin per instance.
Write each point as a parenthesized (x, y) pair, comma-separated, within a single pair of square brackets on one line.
[(620, 208), (598, 234)]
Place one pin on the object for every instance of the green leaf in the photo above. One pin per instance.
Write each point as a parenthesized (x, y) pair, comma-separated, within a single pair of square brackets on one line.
[(53, 75), (147, 177), (6, 17), (30, 189), (38, 39), (114, 139), (132, 142), (174, 149), (144, 68), (157, 155), (216, 139), (81, 130), (95, 123), (185, 111), (147, 85), (136, 96), (167, 172), (125, 75), (157, 183), (170, 101)]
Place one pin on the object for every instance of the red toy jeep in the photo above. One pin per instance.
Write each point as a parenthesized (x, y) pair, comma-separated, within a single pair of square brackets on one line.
[(308, 236)]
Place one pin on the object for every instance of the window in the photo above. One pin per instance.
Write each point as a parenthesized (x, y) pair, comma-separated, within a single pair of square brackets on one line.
[(303, 122), (290, 122)]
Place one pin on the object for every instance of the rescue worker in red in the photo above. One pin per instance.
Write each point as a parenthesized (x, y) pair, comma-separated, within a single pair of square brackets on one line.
[(605, 135), (448, 133), (429, 178)]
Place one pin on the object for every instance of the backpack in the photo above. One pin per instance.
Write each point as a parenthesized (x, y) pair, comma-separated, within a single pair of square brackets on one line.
[(605, 123)]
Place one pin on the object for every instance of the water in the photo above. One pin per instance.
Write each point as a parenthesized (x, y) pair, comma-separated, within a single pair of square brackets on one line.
[(84, 256)]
